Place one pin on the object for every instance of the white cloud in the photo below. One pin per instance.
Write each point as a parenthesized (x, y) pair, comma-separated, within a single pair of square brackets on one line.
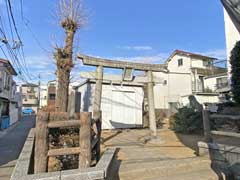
[(154, 59), (42, 65), (217, 53), (136, 48), (39, 62)]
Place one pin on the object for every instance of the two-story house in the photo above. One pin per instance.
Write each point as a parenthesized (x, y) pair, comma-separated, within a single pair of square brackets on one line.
[(8, 97), (188, 74), (51, 93), (30, 96)]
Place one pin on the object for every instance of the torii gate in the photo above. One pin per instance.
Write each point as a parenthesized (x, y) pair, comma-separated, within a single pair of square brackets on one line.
[(128, 68)]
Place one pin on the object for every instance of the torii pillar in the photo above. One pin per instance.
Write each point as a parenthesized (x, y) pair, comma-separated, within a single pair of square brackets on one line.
[(97, 115), (98, 93), (151, 106)]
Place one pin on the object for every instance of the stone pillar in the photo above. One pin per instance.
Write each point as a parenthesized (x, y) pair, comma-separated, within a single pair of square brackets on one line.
[(151, 106), (98, 93), (206, 125)]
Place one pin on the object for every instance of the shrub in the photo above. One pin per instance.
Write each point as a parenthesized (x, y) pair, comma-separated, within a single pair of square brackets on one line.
[(235, 63), (186, 121)]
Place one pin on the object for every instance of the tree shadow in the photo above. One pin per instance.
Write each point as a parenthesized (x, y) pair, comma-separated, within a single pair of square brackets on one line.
[(113, 172), (221, 164), (118, 125), (224, 163), (11, 143), (104, 140)]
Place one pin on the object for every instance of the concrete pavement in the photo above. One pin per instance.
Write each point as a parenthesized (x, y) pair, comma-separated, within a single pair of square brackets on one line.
[(11, 144)]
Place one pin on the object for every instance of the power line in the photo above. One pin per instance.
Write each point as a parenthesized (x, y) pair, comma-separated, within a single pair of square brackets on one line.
[(9, 21), (15, 50), (13, 20)]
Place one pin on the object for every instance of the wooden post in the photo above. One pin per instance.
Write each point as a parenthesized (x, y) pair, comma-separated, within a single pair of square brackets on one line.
[(99, 130), (41, 144), (85, 140), (98, 93), (206, 125), (151, 106)]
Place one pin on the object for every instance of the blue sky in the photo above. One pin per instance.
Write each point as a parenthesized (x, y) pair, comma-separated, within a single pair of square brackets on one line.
[(144, 31)]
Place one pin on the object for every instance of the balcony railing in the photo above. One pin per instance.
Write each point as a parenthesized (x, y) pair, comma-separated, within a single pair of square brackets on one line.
[(221, 85), (30, 101)]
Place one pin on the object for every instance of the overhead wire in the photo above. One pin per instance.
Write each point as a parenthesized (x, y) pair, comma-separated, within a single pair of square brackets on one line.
[(15, 49)]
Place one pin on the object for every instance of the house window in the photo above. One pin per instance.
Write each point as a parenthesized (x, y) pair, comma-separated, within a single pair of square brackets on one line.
[(207, 63), (32, 97), (52, 96), (165, 82), (180, 62), (222, 82)]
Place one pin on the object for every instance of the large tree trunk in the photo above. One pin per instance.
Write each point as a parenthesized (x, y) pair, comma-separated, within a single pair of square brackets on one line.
[(64, 66), (62, 90), (71, 18)]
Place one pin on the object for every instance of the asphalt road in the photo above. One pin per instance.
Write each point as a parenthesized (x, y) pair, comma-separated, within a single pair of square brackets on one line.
[(11, 144)]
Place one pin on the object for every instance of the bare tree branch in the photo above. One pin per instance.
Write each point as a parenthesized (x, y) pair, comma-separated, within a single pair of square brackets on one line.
[(72, 17)]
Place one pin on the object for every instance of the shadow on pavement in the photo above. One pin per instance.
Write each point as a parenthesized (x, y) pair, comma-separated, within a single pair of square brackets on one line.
[(11, 143)]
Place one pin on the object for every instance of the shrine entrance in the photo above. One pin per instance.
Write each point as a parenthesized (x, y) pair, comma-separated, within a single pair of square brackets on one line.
[(127, 76)]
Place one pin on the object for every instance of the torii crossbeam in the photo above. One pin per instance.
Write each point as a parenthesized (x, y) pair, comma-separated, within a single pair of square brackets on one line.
[(128, 68)]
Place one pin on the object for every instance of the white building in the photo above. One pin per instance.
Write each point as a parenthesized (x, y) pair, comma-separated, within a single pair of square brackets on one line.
[(43, 95), (122, 105), (30, 96), (9, 99), (189, 74), (232, 36)]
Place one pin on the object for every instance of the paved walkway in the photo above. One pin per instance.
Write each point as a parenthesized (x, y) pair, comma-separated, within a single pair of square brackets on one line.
[(171, 158), (11, 144)]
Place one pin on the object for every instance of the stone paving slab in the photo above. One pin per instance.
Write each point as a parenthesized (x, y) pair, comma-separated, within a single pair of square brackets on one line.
[(138, 159)]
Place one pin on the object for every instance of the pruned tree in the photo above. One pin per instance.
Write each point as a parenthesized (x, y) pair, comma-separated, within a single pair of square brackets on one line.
[(71, 17), (235, 63)]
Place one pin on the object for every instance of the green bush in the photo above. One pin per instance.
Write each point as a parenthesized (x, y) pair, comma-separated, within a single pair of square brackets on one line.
[(235, 63), (186, 121)]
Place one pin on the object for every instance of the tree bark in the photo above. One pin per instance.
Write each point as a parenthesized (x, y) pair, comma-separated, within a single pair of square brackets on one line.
[(64, 66)]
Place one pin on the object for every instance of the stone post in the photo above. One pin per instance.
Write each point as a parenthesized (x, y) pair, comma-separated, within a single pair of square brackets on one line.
[(151, 106), (206, 124), (98, 93)]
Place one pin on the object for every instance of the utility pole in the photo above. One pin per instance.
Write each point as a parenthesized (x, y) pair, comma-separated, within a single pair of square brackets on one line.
[(39, 89)]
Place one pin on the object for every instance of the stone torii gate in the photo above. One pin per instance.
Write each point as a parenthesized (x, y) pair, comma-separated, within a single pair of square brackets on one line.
[(128, 68)]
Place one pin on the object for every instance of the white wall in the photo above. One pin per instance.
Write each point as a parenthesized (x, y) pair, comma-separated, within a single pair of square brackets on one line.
[(173, 64), (87, 94), (14, 113), (43, 95), (198, 63), (232, 36), (211, 83), (161, 92), (178, 84), (201, 99)]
